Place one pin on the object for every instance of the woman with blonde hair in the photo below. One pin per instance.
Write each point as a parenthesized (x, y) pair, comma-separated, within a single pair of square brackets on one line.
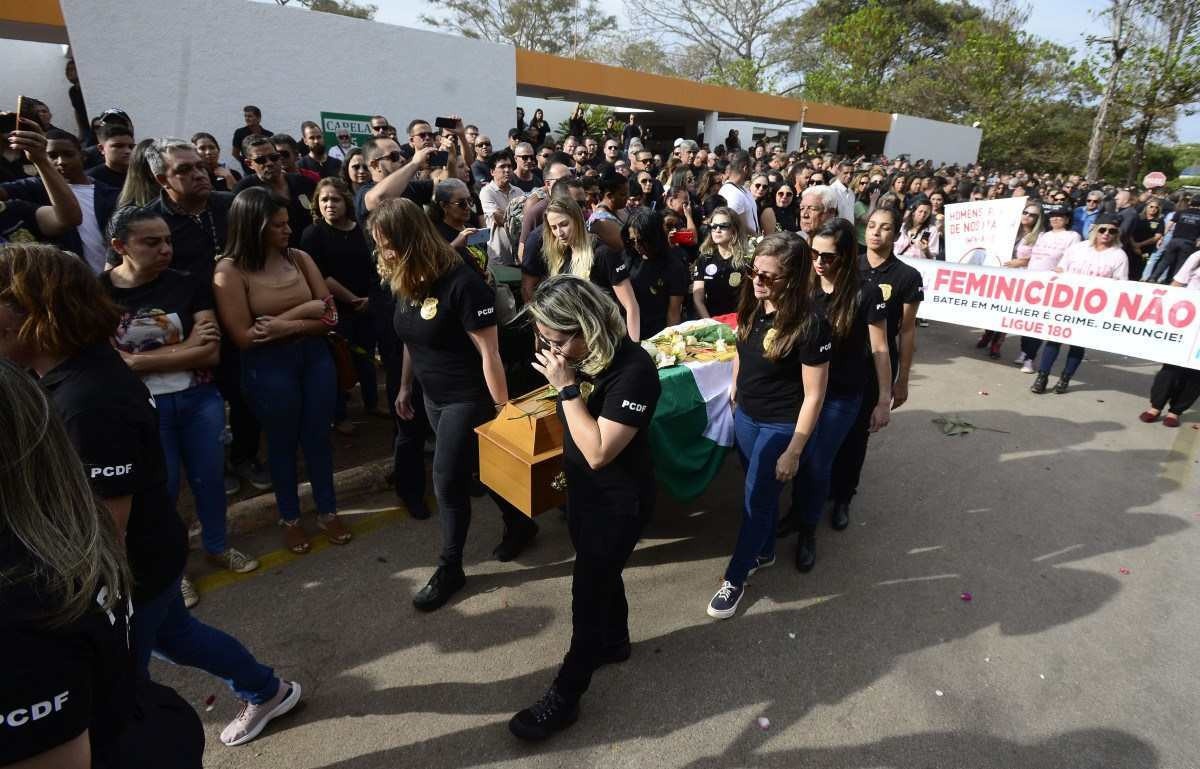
[(141, 188), (569, 249), (446, 317), (724, 256), (607, 392)]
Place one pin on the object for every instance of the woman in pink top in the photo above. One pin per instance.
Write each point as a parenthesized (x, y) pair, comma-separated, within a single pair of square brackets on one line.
[(1100, 256), (1173, 384), (1045, 255), (1027, 234)]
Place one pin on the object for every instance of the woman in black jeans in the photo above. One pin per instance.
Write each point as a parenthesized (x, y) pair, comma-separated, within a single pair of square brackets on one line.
[(446, 317), (608, 389), (336, 243)]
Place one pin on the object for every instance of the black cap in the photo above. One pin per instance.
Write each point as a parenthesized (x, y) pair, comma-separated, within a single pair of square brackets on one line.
[(1107, 218), (1058, 211)]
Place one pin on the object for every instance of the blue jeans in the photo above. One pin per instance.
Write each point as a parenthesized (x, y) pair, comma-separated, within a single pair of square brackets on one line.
[(190, 423), (164, 625), (759, 445), (291, 387), (359, 330), (1050, 354), (811, 485)]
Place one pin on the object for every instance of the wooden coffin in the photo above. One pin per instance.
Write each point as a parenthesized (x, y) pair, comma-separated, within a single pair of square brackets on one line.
[(520, 454)]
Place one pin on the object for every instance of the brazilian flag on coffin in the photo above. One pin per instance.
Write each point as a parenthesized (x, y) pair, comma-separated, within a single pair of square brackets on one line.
[(693, 424)]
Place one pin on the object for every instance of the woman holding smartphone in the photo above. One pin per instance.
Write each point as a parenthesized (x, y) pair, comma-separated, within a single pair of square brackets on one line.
[(608, 390), (780, 374), (446, 317)]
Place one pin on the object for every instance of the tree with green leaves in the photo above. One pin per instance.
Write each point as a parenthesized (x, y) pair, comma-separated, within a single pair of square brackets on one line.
[(563, 27), (340, 7)]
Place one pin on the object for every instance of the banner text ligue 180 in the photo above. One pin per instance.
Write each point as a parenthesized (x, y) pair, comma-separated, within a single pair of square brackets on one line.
[(1142, 320)]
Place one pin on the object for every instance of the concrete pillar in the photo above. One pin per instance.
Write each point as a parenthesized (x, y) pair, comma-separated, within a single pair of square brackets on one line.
[(710, 129), (794, 134)]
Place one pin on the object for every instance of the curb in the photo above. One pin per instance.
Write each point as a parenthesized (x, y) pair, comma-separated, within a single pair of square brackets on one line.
[(259, 512)]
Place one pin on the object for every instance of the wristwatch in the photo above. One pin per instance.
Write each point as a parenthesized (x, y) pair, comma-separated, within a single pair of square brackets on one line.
[(570, 392)]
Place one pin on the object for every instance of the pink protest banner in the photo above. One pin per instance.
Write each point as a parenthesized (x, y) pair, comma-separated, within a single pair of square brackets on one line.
[(1142, 320)]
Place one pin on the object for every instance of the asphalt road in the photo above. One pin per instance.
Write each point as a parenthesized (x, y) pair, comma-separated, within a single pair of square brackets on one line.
[(1074, 533)]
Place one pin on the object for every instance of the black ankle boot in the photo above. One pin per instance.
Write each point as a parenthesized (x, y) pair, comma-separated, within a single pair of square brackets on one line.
[(1060, 387), (1039, 383), (839, 519), (806, 548), (552, 713), (515, 539), (445, 582)]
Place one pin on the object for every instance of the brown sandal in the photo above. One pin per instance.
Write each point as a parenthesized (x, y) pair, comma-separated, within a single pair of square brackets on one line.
[(334, 529), (295, 538)]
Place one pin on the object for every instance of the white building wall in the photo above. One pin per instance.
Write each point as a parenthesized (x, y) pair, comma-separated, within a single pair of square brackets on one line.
[(38, 70), (175, 68), (940, 142)]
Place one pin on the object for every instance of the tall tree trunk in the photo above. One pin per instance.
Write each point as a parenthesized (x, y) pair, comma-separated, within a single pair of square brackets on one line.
[(1120, 10), (1140, 135)]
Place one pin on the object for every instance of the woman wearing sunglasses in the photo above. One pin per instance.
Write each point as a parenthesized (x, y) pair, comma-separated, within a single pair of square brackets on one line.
[(780, 373), (783, 210), (446, 317), (860, 375), (764, 198), (717, 275), (608, 390), (1101, 256), (1045, 255)]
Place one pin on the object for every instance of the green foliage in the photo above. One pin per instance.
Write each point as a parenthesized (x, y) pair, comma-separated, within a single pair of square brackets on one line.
[(551, 26), (349, 8)]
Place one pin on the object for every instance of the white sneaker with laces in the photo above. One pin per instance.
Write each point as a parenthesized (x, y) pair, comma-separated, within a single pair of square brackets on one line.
[(190, 596), (1021, 358), (1027, 367), (252, 719)]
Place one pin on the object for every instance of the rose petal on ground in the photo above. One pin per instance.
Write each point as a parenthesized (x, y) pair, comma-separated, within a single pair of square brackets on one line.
[(764, 723), (1123, 570), (966, 596)]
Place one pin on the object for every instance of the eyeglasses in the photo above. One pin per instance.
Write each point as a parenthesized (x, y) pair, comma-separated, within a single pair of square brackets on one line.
[(720, 226), (826, 257), (759, 186), (555, 347), (465, 204), (766, 278), (782, 194), (1093, 200), (262, 160), (426, 135), (379, 128), (483, 144), (524, 157), (393, 156), (1029, 213), (1107, 230)]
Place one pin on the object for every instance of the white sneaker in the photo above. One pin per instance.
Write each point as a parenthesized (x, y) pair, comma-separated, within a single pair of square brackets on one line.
[(1021, 359), (252, 719), (1027, 368), (188, 591)]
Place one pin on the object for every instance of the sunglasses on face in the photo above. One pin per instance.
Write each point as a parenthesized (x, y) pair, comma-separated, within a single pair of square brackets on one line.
[(720, 226), (524, 157), (483, 144), (426, 135), (1107, 230), (262, 160), (766, 278), (784, 194), (759, 186), (393, 156), (379, 128), (825, 257), (464, 203)]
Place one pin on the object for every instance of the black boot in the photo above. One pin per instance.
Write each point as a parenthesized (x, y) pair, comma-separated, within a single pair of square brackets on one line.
[(417, 509), (1039, 383), (1060, 387), (445, 582), (840, 517), (515, 539), (552, 713), (806, 548)]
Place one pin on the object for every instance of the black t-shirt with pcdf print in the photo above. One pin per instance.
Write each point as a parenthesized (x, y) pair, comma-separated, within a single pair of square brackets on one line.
[(113, 425), (436, 330), (58, 681)]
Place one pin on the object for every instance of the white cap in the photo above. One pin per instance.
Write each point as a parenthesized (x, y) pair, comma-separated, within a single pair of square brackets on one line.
[(678, 141)]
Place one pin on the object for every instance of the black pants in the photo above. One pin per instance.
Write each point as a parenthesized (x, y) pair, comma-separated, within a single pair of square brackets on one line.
[(242, 422), (848, 465), (408, 435), (1030, 346), (455, 462), (1172, 259), (603, 540), (1176, 385)]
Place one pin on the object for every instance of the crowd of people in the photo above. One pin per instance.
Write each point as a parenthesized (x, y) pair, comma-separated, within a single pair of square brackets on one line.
[(175, 311)]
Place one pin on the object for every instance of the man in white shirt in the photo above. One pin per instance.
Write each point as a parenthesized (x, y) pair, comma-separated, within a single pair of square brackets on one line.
[(842, 192), (495, 198), (735, 193)]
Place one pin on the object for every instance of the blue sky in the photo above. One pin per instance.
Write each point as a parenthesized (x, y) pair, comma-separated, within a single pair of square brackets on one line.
[(1067, 22)]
